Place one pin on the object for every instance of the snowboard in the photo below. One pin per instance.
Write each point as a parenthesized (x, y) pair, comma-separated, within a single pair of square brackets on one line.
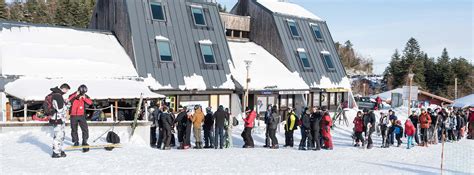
[(105, 146)]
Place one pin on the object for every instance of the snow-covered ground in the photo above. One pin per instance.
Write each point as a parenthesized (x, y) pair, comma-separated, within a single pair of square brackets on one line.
[(28, 152)]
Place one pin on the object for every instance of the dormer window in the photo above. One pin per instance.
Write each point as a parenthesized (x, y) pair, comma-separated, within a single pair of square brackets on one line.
[(198, 15), (207, 52), (164, 49), (327, 59), (304, 58), (293, 28), (157, 11), (317, 31)]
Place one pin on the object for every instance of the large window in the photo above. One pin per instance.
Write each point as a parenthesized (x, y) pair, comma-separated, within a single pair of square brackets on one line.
[(328, 60), (164, 51), (198, 15), (304, 58), (207, 53), (157, 11), (293, 28), (316, 31)]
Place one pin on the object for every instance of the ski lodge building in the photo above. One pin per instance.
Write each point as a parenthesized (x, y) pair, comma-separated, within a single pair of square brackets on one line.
[(184, 49)]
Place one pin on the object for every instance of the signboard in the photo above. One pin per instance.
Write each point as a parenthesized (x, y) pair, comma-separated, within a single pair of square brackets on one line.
[(414, 92), (396, 100), (336, 90), (292, 92)]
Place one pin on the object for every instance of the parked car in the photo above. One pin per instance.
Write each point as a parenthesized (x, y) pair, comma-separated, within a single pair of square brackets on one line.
[(365, 102)]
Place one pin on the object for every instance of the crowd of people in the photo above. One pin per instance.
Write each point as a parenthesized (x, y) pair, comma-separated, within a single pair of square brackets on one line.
[(428, 127)]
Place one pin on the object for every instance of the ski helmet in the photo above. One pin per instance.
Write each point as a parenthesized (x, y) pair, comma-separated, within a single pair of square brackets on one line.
[(82, 89)]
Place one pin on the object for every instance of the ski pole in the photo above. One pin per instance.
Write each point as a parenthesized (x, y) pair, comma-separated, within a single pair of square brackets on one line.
[(112, 128)]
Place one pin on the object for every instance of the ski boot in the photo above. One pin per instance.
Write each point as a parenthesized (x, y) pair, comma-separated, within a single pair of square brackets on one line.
[(302, 148), (84, 150), (56, 155), (369, 146), (63, 154), (76, 144)]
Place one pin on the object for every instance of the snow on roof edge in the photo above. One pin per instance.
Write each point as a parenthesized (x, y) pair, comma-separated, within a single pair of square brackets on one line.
[(205, 41)]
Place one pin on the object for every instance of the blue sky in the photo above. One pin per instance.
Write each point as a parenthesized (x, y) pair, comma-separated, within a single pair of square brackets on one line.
[(378, 27)]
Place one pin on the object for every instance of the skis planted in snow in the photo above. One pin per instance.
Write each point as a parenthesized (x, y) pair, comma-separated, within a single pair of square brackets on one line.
[(92, 147), (137, 113)]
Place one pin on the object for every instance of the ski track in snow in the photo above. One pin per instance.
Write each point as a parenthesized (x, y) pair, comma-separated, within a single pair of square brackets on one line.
[(27, 152)]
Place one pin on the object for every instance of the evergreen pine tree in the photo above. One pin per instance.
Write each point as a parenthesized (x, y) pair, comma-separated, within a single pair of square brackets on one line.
[(412, 61), (17, 11), (394, 72)]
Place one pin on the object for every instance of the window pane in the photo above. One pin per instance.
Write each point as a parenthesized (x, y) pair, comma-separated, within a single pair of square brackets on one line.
[(157, 11), (208, 54), (165, 51), (316, 99), (293, 29), (304, 59), (198, 16), (328, 60), (317, 31)]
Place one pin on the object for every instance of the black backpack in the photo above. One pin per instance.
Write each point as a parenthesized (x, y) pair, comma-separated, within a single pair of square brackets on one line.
[(48, 108), (112, 137)]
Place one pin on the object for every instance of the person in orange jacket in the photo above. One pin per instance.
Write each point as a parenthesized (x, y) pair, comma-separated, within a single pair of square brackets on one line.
[(197, 119), (78, 116), (425, 122), (326, 124)]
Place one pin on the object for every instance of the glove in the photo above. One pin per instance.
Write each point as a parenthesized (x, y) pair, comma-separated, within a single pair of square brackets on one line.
[(172, 131)]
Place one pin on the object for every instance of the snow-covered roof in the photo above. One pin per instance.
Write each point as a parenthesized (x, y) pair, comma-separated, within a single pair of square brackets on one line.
[(326, 83), (193, 82), (54, 52), (288, 8), (205, 41), (36, 89), (467, 101), (265, 70)]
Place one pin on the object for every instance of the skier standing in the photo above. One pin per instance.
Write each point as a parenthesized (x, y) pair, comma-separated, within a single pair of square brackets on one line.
[(369, 126), (267, 118), (58, 108), (433, 130), (316, 118), (358, 129), (425, 122), (197, 118), (414, 120), (78, 115), (409, 132), (326, 124), (398, 131), (221, 117), (249, 123), (273, 125), (184, 128), (209, 129), (450, 124), (155, 117), (460, 125), (290, 127), (384, 125), (393, 118), (167, 123), (307, 139)]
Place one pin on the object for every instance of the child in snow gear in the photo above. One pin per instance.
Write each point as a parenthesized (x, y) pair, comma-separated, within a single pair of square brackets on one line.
[(316, 118), (272, 127), (307, 139), (414, 120), (249, 123), (398, 131), (208, 129), (267, 118), (59, 115), (290, 126), (358, 129), (221, 117), (425, 123), (198, 118), (384, 125), (79, 99), (326, 124), (409, 132), (369, 126)]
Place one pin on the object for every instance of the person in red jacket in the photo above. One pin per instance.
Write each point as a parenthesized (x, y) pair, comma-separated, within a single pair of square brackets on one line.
[(470, 128), (358, 129), (409, 132), (78, 116), (326, 124), (425, 123), (249, 122)]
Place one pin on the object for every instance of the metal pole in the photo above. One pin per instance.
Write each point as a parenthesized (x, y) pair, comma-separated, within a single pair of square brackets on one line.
[(409, 97), (112, 112), (25, 112), (455, 88)]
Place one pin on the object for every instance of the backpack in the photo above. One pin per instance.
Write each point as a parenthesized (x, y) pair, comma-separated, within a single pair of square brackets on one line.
[(112, 137), (48, 108), (235, 122)]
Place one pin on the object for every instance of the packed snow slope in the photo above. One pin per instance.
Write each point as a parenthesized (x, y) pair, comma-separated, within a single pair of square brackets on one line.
[(28, 152)]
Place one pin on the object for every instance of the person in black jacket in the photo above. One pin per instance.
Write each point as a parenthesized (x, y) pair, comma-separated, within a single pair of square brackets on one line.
[(460, 123), (220, 117), (272, 126), (307, 139), (173, 118), (414, 119), (315, 121), (154, 111), (268, 116), (58, 109), (208, 129), (184, 128), (369, 126), (166, 124)]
